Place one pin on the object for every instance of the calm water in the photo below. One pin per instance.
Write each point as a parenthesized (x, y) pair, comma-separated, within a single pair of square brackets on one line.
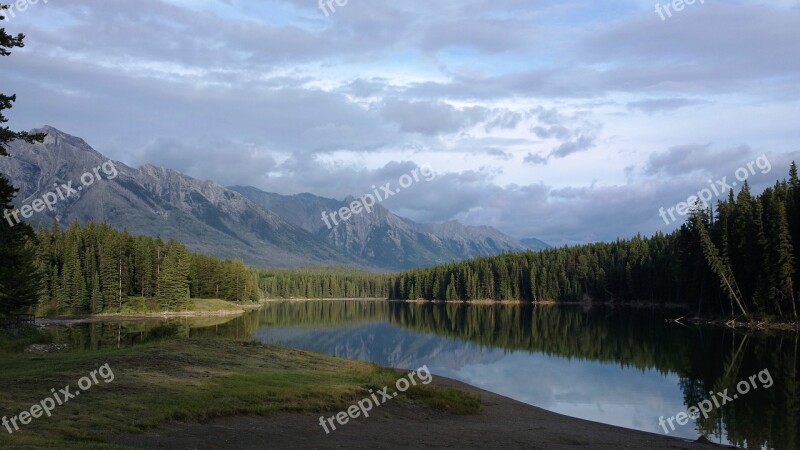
[(620, 366)]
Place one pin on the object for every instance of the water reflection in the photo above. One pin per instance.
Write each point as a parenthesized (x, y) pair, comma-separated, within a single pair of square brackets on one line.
[(116, 333), (614, 365)]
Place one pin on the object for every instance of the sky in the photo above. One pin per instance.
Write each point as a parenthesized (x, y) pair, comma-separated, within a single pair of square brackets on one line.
[(569, 121)]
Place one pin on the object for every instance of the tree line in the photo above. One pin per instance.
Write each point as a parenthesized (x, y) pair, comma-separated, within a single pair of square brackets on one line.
[(322, 282), (92, 268), (735, 260)]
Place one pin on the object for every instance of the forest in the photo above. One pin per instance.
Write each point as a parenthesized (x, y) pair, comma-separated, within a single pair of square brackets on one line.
[(322, 282), (737, 260), (93, 268)]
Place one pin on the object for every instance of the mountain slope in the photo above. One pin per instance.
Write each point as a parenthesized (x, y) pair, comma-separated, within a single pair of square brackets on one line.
[(203, 215), (241, 222), (535, 244), (383, 238)]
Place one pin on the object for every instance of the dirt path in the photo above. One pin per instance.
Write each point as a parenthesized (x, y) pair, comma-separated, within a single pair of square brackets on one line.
[(504, 423)]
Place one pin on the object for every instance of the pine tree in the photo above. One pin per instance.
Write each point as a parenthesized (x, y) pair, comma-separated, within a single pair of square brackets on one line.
[(783, 260), (719, 266), (19, 271), (22, 281), (96, 299), (73, 281), (113, 268), (173, 279)]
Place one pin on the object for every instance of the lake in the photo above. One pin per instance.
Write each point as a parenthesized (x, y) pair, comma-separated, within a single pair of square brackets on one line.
[(621, 366)]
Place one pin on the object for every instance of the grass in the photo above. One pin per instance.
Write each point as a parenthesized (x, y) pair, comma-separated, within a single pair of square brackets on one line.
[(188, 379), (211, 305), (446, 399), (148, 305)]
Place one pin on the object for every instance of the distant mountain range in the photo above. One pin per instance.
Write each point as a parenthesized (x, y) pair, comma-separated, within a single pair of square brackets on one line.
[(262, 228)]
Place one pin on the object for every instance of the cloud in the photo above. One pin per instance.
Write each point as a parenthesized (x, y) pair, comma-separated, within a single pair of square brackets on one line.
[(500, 154), (552, 126), (366, 88), (555, 131), (503, 119), (580, 144), (535, 159), (430, 118), (689, 158), (663, 104), (226, 162), (485, 35)]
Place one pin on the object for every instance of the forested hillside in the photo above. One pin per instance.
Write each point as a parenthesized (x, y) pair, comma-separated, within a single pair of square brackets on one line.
[(323, 282), (93, 268), (738, 259)]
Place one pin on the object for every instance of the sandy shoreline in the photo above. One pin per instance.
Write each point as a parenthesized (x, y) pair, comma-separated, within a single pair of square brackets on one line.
[(504, 423)]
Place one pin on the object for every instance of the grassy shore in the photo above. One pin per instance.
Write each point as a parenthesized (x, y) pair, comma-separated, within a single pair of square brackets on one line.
[(187, 380), (140, 307)]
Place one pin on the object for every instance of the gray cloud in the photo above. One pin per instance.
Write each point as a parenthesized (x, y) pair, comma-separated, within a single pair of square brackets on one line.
[(535, 159), (663, 104), (430, 118), (555, 131), (580, 144), (500, 154), (694, 157)]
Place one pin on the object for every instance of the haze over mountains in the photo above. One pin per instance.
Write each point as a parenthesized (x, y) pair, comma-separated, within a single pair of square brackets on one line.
[(239, 222)]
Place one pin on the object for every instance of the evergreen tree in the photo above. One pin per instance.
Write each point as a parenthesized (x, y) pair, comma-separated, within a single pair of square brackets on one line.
[(782, 261), (174, 278), (19, 270)]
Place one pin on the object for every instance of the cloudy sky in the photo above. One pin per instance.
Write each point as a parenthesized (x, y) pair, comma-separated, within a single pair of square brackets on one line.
[(571, 120)]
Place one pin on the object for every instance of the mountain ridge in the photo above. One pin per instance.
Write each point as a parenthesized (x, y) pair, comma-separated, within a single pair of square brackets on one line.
[(382, 236), (261, 228)]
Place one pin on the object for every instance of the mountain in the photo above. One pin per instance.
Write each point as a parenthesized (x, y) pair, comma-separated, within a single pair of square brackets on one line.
[(241, 222), (382, 238), (150, 200), (535, 244)]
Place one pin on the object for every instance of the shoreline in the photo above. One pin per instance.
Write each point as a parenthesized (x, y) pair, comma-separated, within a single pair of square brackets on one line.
[(265, 301), (237, 309), (246, 414), (503, 423), (69, 320), (752, 325)]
